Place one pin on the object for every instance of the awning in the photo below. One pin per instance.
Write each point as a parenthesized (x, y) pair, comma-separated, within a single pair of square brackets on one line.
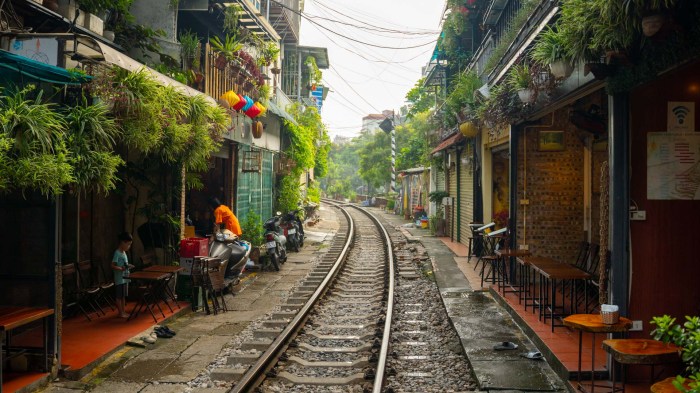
[(448, 142), (39, 71), (112, 56), (273, 108)]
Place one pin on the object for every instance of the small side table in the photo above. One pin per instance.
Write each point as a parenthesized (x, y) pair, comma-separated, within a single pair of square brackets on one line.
[(592, 323), (666, 386), (640, 351)]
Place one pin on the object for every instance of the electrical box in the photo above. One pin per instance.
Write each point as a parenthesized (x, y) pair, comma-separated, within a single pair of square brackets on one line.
[(638, 215)]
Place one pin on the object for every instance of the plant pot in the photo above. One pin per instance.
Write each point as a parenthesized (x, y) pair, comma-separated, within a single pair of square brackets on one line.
[(51, 4), (198, 77), (651, 24), (108, 34), (220, 62), (525, 95), (468, 129), (561, 69), (275, 70)]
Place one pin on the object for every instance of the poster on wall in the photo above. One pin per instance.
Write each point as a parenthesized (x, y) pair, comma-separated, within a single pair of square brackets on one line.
[(681, 116), (673, 166)]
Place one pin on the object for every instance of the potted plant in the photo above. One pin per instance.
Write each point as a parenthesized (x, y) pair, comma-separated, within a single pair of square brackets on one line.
[(226, 50), (437, 221), (519, 79), (315, 76), (189, 48), (687, 337), (549, 50), (268, 53)]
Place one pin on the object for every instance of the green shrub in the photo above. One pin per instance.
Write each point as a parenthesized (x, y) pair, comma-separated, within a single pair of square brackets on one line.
[(390, 204), (686, 336), (252, 229)]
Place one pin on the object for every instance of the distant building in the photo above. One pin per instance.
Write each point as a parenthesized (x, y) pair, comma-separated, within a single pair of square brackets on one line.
[(341, 140), (371, 122)]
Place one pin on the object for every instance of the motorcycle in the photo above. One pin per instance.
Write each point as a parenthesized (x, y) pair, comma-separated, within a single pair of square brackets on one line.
[(228, 247), (275, 241), (294, 229)]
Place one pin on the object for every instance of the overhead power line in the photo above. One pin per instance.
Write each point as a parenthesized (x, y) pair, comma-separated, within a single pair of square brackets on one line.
[(303, 15)]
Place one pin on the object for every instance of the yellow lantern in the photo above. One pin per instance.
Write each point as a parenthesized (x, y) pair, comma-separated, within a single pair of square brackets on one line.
[(262, 109), (231, 97), (468, 129)]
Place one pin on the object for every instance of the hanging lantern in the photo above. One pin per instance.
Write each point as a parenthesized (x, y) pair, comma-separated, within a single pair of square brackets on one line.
[(468, 129), (248, 104), (231, 97), (253, 111), (262, 109), (240, 104), (257, 129)]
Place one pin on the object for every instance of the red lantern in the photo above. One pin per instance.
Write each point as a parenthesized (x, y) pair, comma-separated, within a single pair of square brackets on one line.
[(240, 104), (253, 111)]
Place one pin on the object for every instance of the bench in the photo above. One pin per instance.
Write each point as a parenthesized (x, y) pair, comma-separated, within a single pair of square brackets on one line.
[(12, 317)]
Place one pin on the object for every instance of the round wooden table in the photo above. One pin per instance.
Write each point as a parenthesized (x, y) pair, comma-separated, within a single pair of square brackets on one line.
[(592, 323), (666, 386), (640, 351)]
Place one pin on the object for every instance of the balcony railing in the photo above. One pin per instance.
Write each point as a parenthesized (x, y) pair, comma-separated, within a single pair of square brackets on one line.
[(233, 76), (284, 17)]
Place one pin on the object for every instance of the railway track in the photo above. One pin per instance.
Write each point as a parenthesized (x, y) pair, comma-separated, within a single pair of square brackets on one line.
[(346, 330)]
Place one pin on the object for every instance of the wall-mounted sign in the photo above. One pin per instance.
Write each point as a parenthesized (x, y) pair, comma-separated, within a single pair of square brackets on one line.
[(673, 165), (43, 50), (681, 116)]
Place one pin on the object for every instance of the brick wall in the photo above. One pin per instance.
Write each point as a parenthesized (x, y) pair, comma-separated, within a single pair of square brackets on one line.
[(552, 223)]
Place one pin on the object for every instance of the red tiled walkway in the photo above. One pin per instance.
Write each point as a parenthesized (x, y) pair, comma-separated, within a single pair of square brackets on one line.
[(12, 382), (86, 341)]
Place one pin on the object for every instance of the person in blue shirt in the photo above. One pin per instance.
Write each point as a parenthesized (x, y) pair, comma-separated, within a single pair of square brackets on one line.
[(120, 267)]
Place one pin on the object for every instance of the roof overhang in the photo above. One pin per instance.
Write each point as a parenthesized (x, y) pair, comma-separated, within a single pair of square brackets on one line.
[(448, 142), (320, 54), (36, 70)]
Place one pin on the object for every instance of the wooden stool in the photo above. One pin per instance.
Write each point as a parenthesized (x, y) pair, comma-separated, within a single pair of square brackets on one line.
[(640, 351)]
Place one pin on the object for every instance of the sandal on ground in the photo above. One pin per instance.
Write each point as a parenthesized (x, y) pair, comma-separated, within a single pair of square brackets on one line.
[(505, 345), (148, 339), (532, 355)]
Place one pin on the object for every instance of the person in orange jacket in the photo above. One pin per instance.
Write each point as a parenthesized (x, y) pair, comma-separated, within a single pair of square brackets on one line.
[(224, 215)]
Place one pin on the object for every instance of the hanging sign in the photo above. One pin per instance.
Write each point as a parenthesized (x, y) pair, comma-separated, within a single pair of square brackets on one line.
[(681, 116)]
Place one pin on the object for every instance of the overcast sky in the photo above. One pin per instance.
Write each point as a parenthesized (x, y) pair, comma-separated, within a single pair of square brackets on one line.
[(364, 79)]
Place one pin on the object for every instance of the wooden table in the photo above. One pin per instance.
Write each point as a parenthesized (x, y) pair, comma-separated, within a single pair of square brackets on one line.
[(148, 299), (640, 351), (172, 270), (12, 317), (550, 274), (592, 323), (510, 253)]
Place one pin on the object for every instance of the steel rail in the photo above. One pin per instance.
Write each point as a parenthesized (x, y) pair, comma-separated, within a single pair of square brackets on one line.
[(381, 362), (256, 373)]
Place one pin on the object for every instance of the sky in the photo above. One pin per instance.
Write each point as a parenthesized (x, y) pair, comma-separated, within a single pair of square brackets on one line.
[(366, 79)]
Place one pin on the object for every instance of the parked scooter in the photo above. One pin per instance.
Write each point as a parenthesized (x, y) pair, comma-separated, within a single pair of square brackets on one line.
[(294, 229), (275, 241), (228, 247)]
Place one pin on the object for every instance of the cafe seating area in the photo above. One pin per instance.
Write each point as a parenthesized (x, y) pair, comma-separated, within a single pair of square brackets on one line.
[(539, 293)]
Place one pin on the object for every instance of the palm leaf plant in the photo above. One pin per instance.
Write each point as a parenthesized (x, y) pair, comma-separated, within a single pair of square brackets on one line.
[(687, 338), (189, 47), (228, 47)]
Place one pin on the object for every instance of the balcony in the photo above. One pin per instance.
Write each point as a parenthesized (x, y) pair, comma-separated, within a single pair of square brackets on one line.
[(284, 16), (233, 76)]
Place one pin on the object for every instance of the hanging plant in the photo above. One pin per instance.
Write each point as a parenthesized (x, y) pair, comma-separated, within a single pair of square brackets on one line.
[(33, 155), (90, 139), (315, 75)]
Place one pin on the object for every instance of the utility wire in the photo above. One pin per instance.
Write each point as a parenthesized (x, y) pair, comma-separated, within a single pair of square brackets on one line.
[(352, 88), (303, 15), (362, 21)]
